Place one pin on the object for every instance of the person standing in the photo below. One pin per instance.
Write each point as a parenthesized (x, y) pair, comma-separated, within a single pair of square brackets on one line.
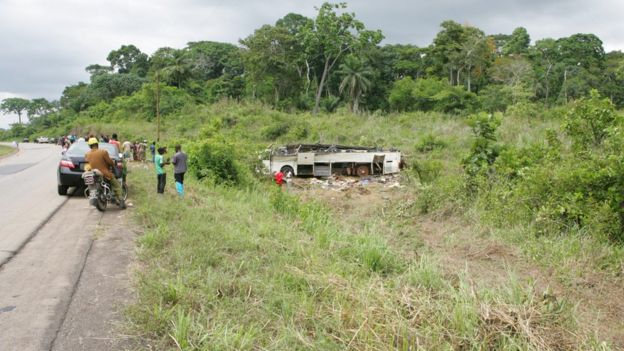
[(140, 150), (115, 142), (161, 176), (279, 179), (153, 149), (127, 150), (179, 168)]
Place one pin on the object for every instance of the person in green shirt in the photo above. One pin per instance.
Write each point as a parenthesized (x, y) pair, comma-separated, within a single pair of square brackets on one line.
[(159, 162)]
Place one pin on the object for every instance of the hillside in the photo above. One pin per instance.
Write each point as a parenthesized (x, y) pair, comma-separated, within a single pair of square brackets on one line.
[(432, 263)]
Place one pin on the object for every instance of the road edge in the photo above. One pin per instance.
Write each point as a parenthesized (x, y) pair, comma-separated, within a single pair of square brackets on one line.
[(15, 151), (4, 260)]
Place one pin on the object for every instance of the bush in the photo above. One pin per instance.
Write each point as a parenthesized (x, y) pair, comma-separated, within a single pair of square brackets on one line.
[(215, 159), (427, 170), (275, 130), (484, 150), (495, 98), (401, 98), (524, 109), (429, 143), (589, 120)]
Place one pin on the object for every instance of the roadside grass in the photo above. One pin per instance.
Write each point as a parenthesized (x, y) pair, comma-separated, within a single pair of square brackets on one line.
[(256, 268), (6, 150), (229, 268)]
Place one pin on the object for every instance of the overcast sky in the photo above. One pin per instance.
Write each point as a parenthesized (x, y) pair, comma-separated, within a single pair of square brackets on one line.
[(46, 44)]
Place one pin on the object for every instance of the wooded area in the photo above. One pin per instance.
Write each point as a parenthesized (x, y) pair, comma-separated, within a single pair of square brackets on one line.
[(334, 60)]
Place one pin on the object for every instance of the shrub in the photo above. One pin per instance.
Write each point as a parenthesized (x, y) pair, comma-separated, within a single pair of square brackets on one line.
[(524, 109), (495, 98), (484, 150), (427, 170), (430, 142), (401, 98), (215, 159), (588, 121), (275, 130)]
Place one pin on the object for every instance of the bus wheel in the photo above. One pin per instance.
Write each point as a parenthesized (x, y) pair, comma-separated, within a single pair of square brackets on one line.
[(362, 170), (287, 169)]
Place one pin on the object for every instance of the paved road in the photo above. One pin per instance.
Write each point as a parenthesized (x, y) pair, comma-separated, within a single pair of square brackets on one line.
[(28, 194), (55, 253)]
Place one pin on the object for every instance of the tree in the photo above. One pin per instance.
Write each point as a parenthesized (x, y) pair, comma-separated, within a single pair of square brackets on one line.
[(15, 105), (582, 59), (96, 69), (613, 78), (461, 52), (477, 52), (129, 59), (274, 63), (39, 107), (74, 97), (518, 42), (500, 40), (178, 70), (355, 80), (332, 35), (210, 60), (407, 60), (106, 87), (544, 56), (446, 50), (516, 73)]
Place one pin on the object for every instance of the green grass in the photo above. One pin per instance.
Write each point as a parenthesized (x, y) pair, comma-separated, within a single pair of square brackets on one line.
[(6, 150), (251, 268), (255, 268)]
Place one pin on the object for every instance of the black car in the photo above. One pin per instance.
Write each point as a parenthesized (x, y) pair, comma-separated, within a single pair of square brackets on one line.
[(73, 163)]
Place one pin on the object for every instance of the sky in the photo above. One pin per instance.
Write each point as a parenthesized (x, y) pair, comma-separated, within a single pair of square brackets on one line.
[(46, 44)]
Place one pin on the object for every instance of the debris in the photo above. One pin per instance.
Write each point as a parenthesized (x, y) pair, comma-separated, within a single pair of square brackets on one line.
[(342, 183)]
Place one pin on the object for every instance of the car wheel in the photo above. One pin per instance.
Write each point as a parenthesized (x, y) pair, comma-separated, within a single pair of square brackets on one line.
[(62, 190)]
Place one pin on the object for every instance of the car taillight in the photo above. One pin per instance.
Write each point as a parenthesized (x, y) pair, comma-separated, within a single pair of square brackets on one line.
[(67, 164)]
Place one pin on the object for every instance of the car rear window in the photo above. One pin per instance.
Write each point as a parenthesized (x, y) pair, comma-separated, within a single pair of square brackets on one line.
[(80, 148)]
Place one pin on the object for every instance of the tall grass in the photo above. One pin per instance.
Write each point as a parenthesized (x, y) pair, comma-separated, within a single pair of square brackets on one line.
[(256, 268)]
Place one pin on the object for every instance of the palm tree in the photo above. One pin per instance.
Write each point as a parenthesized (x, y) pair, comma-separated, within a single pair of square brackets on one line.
[(355, 79), (179, 70)]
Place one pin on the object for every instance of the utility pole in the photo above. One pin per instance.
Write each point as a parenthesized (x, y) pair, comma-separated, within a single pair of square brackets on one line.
[(158, 105)]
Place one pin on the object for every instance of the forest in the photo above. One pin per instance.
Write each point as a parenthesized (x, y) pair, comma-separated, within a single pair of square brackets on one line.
[(334, 60)]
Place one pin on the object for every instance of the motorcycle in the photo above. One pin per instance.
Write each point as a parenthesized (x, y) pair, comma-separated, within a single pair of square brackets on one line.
[(99, 191)]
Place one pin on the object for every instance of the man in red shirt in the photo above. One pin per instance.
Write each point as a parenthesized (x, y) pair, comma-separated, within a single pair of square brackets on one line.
[(115, 142), (279, 178)]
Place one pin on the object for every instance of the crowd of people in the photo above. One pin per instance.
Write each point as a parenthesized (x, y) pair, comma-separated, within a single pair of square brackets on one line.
[(132, 150), (137, 151)]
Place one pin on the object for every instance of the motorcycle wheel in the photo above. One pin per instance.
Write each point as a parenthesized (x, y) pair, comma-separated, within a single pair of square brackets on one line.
[(124, 191), (101, 202)]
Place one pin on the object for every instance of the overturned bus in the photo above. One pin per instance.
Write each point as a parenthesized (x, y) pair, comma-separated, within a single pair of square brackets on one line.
[(323, 160)]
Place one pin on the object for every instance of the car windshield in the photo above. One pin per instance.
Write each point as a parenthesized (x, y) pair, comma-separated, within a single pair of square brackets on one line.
[(80, 148)]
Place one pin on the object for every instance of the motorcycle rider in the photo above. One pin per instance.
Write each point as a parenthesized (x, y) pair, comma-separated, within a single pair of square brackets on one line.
[(100, 160)]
